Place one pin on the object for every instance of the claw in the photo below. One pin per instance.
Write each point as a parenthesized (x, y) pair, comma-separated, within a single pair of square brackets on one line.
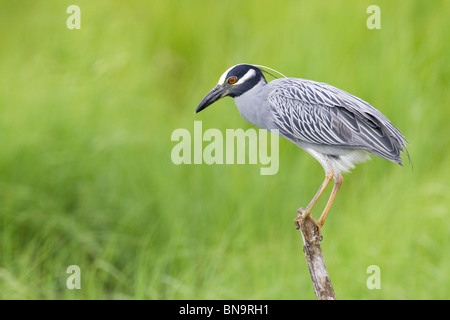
[(299, 217), (303, 214)]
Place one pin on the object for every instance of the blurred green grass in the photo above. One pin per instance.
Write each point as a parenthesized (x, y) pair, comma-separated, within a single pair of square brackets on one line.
[(86, 176)]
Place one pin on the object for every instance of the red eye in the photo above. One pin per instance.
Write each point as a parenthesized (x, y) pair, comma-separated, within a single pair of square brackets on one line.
[(232, 80)]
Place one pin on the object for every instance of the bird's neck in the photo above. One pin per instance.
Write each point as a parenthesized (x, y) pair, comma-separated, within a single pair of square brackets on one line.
[(253, 105)]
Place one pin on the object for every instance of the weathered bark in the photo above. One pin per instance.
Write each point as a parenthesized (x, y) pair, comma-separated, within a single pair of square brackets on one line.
[(315, 261)]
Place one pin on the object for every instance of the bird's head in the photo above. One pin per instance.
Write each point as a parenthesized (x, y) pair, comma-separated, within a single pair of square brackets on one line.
[(234, 82)]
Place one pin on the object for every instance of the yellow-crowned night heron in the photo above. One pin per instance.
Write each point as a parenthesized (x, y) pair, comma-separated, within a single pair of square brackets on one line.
[(335, 127)]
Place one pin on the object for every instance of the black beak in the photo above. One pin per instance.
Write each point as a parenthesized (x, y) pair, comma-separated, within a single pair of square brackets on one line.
[(215, 94)]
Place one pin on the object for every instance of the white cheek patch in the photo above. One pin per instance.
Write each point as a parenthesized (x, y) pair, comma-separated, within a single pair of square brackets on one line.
[(250, 74)]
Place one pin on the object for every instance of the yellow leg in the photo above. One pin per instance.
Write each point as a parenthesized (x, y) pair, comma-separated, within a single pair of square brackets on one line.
[(313, 202), (337, 185), (306, 213)]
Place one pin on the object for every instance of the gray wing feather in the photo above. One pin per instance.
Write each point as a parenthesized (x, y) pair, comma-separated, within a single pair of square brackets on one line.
[(322, 114)]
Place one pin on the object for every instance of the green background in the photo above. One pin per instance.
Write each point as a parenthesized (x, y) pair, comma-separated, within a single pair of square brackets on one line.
[(86, 176)]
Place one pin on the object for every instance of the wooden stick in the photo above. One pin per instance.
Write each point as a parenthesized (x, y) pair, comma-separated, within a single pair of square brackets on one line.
[(315, 261)]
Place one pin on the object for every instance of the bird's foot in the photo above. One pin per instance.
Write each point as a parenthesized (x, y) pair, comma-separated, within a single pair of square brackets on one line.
[(299, 217), (303, 214)]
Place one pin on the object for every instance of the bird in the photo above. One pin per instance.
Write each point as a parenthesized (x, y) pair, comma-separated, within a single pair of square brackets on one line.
[(335, 127)]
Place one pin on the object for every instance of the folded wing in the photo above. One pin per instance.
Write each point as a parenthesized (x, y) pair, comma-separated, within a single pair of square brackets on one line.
[(319, 113)]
